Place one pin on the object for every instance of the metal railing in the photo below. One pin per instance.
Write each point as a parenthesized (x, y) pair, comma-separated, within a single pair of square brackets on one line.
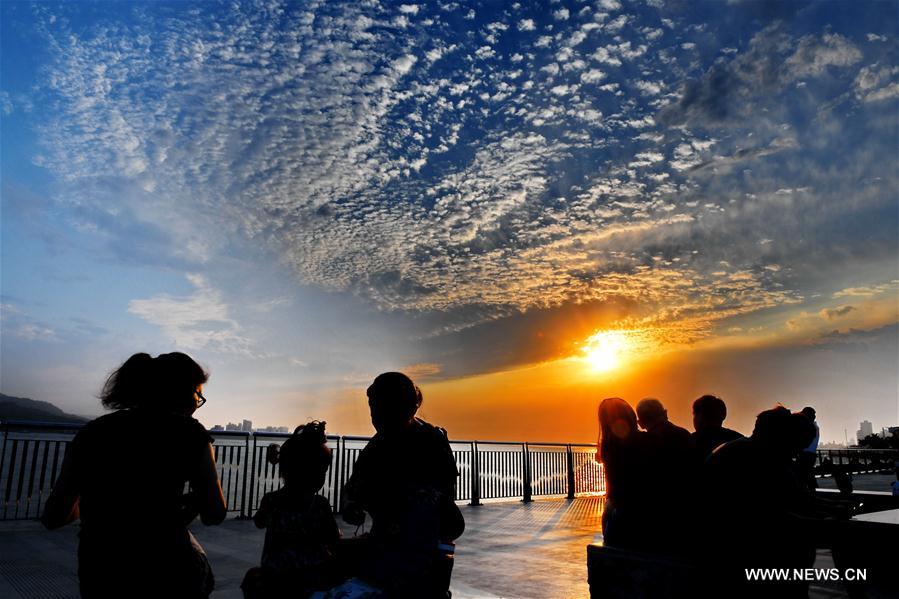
[(31, 455), (855, 461)]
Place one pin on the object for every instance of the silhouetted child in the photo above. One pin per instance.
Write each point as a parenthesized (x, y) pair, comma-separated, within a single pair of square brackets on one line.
[(297, 558)]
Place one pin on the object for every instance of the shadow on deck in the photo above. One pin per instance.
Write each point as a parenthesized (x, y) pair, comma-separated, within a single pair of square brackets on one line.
[(528, 550)]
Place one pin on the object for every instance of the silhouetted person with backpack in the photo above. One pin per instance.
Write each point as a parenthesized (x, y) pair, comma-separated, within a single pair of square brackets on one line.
[(755, 509), (405, 479)]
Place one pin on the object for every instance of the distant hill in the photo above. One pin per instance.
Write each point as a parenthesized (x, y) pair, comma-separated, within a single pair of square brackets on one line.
[(22, 408)]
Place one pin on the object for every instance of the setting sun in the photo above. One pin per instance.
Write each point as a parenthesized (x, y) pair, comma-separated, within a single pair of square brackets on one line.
[(603, 351)]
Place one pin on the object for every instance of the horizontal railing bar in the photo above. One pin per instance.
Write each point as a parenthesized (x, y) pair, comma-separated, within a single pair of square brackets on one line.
[(276, 435), (35, 424), (535, 444), (518, 443), (41, 424)]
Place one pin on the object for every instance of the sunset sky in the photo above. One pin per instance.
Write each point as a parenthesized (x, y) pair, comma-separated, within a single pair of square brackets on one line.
[(525, 206)]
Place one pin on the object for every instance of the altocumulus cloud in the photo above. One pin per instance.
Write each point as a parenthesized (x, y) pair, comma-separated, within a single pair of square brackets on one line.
[(439, 160)]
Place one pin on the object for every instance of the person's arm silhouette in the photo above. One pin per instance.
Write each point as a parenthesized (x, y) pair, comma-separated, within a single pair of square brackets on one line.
[(62, 505), (209, 497), (263, 516)]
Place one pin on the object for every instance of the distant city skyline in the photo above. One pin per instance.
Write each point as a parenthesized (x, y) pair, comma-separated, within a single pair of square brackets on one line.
[(525, 206), (246, 426)]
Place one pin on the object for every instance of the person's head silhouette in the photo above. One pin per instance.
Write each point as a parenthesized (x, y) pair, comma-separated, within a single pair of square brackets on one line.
[(709, 412), (808, 412), (180, 378), (651, 412), (802, 431), (781, 432), (305, 457), (617, 423), (172, 382), (393, 400)]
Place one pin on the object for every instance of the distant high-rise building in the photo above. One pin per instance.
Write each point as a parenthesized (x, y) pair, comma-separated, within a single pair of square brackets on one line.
[(217, 427), (232, 427), (865, 429), (247, 426)]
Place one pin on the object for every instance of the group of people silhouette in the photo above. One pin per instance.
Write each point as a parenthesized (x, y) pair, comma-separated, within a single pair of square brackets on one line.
[(128, 493), (724, 489), (404, 479), (713, 497)]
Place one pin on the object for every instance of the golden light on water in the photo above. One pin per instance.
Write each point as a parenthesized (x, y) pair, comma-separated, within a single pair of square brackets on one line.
[(606, 350)]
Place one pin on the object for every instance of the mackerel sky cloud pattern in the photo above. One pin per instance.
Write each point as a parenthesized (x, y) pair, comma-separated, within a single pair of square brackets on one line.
[(482, 160)]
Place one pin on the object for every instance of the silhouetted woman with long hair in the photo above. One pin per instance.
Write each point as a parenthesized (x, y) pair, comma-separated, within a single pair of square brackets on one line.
[(124, 476), (620, 450)]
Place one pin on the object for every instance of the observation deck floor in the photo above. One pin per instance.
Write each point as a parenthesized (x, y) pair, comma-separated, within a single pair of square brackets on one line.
[(511, 549)]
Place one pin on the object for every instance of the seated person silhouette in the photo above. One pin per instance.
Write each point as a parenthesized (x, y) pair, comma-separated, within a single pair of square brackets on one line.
[(124, 475), (754, 507), (709, 413), (300, 531), (622, 454), (405, 479)]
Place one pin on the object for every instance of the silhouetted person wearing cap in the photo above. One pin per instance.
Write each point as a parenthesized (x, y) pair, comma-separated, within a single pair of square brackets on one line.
[(405, 479), (709, 413), (671, 466)]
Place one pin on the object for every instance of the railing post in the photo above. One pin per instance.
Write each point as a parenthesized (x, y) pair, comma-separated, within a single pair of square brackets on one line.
[(335, 468), (243, 493), (3, 467), (526, 472), (252, 466), (341, 475), (475, 475), (569, 462)]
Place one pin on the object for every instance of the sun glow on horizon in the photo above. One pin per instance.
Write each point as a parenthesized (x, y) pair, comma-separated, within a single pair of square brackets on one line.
[(605, 351)]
